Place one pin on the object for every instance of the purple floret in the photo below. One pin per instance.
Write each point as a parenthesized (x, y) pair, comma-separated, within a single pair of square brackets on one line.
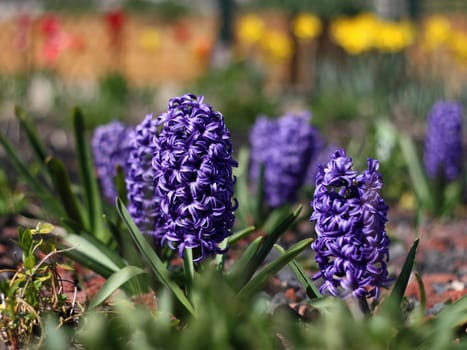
[(443, 142), (352, 247)]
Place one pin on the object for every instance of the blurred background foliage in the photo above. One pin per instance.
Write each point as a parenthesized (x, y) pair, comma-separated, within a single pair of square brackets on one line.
[(350, 63)]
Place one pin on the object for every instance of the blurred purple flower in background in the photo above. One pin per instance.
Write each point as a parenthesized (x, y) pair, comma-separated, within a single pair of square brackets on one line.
[(192, 167), (261, 137), (443, 141), (143, 203), (285, 147), (321, 158), (110, 147), (352, 247)]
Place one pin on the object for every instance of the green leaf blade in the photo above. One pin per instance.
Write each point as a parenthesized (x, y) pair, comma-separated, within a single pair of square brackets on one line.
[(151, 257), (91, 188), (419, 180), (307, 284), (36, 143), (273, 267), (92, 253), (114, 282), (61, 182), (268, 243), (403, 278)]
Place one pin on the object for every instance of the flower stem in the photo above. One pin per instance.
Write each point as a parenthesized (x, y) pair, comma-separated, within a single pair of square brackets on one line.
[(364, 307), (189, 271)]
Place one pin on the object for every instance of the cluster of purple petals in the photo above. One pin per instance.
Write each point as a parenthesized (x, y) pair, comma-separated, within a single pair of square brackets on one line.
[(143, 203), (352, 247), (443, 141), (110, 148), (285, 147), (192, 167)]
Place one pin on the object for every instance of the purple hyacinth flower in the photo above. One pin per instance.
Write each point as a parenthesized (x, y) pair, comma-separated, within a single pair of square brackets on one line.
[(285, 147), (443, 142), (352, 247), (192, 167), (261, 138), (143, 203), (110, 148)]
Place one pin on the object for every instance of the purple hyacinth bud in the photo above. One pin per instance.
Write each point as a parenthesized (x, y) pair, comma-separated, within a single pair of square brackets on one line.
[(192, 166), (143, 203), (352, 247), (285, 146), (443, 142), (110, 148)]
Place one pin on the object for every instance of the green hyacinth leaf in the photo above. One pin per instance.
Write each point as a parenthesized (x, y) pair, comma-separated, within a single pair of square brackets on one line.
[(307, 284), (113, 283), (88, 179), (62, 184), (157, 266), (256, 283)]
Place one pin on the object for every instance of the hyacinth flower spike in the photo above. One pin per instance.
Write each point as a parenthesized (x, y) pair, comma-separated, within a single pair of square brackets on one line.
[(443, 149), (281, 151), (110, 148), (352, 247), (143, 203), (192, 167)]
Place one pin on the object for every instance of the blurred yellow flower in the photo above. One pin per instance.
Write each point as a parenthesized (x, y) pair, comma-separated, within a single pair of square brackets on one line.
[(458, 45), (276, 44), (307, 26), (356, 34), (250, 29), (149, 39), (436, 32), (394, 36)]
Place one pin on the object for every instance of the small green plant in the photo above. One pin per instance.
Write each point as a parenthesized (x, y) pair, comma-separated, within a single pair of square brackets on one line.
[(34, 289)]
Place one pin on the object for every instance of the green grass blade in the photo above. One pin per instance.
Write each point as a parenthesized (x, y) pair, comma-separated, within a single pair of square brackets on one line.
[(36, 143), (90, 186), (48, 200), (62, 184), (268, 243), (307, 284), (114, 282), (254, 284), (403, 279), (151, 257)]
